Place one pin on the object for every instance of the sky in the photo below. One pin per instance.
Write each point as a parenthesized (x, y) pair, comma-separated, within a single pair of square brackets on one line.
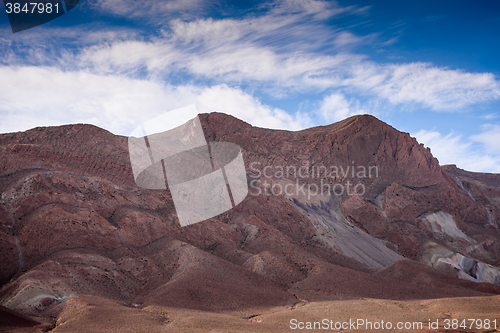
[(429, 68)]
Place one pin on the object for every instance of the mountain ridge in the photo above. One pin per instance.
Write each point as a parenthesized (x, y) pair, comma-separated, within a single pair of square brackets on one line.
[(73, 222)]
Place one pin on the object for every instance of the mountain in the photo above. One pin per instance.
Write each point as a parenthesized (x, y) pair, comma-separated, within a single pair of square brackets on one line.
[(347, 211)]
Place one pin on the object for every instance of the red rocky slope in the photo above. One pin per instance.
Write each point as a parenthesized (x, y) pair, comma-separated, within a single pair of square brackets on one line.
[(72, 222)]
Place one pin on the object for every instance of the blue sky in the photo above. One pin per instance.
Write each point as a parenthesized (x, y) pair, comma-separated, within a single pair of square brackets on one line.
[(427, 68)]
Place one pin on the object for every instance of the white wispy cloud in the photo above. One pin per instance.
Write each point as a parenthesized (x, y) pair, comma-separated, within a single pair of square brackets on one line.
[(436, 88), (148, 9), (234, 101), (335, 107), (155, 11), (118, 103), (490, 138), (489, 116), (231, 51), (453, 149), (275, 51), (50, 96)]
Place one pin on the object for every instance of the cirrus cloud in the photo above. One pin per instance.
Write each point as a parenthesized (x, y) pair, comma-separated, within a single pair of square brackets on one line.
[(117, 103), (454, 149)]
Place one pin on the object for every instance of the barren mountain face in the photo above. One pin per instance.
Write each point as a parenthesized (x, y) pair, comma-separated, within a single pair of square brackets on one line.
[(351, 210)]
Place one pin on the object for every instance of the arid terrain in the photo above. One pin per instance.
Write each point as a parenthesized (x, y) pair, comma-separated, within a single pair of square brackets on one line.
[(83, 249)]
